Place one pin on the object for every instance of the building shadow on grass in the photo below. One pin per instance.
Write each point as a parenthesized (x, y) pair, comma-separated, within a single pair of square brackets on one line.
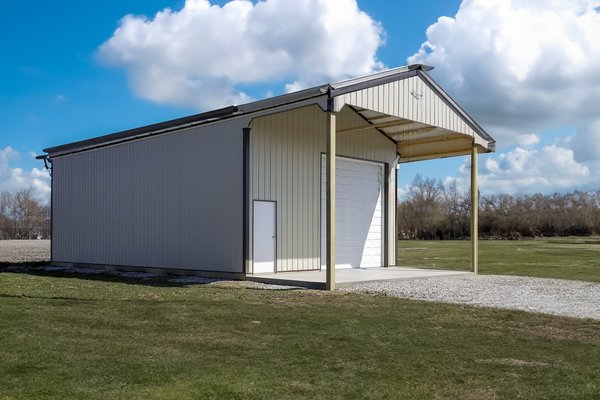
[(95, 274), (43, 268)]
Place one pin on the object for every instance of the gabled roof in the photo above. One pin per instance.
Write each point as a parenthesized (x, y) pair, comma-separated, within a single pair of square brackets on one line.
[(341, 92), (411, 109)]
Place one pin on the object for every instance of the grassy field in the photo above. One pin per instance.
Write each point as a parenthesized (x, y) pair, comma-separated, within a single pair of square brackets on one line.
[(563, 258), (67, 337), (99, 337)]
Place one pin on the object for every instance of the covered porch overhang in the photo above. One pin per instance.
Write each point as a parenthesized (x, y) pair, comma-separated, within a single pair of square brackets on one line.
[(416, 141), (414, 112)]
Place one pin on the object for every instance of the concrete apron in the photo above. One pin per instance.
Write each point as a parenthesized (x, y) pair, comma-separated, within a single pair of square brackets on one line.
[(346, 277)]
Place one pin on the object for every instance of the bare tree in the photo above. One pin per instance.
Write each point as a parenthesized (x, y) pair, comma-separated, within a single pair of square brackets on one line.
[(420, 213), (22, 216), (454, 207), (6, 200)]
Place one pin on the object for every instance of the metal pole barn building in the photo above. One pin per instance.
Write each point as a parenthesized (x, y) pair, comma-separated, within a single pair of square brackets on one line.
[(302, 181)]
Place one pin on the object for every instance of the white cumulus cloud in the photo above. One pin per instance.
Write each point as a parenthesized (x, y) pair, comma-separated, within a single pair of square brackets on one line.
[(528, 139), (13, 179), (551, 168), (204, 55), (519, 65)]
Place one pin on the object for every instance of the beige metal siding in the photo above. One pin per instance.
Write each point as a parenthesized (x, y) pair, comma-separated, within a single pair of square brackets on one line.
[(366, 144), (285, 157), (170, 201), (395, 99), (285, 149)]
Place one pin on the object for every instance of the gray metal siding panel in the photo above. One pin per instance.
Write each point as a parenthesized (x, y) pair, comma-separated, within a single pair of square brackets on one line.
[(285, 167), (170, 201)]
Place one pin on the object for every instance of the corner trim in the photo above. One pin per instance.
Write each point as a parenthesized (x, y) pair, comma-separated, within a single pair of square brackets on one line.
[(246, 200)]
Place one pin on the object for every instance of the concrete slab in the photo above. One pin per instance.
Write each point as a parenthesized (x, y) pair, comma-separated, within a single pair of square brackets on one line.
[(350, 276)]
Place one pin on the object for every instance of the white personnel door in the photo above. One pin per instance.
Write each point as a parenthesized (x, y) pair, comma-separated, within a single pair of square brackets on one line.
[(359, 213), (264, 236)]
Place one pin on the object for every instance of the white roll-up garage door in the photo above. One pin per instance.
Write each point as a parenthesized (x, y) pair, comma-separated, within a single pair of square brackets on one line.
[(359, 213)]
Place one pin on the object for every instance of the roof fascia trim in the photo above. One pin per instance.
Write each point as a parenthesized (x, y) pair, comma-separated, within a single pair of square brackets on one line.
[(379, 75), (374, 82)]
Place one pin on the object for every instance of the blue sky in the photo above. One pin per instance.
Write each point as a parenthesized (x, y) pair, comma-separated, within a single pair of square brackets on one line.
[(60, 84)]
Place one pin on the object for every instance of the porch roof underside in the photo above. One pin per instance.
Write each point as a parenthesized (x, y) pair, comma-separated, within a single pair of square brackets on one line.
[(414, 112), (416, 141)]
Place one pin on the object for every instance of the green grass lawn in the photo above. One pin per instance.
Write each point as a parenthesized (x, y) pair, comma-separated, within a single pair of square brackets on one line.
[(73, 338), (563, 258)]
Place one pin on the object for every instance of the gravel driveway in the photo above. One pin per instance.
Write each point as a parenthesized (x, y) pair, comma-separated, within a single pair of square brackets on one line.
[(549, 296)]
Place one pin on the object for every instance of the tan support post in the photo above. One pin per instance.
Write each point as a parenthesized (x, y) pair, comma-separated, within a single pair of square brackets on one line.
[(330, 207), (396, 227), (474, 212)]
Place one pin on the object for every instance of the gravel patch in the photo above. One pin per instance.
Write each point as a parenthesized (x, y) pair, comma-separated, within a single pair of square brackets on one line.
[(269, 286), (548, 296)]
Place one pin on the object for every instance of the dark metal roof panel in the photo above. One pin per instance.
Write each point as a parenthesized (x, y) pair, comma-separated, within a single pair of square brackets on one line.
[(132, 133)]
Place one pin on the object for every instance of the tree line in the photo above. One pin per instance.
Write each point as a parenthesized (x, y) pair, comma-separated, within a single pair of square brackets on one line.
[(432, 210), (23, 217)]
